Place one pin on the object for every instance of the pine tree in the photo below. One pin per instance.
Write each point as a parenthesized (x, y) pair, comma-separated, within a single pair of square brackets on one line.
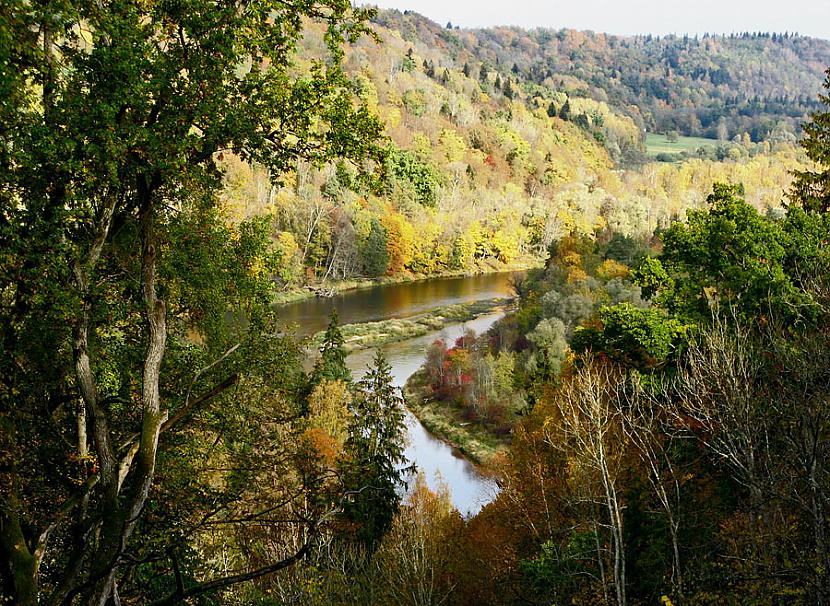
[(375, 256), (552, 110), (483, 73), (332, 362), (375, 455), (811, 189), (467, 71), (565, 111)]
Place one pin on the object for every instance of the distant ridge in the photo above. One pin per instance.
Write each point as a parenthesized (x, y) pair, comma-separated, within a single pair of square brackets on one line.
[(709, 86)]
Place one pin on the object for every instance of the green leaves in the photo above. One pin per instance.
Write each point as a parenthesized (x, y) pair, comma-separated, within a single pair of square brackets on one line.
[(729, 256), (811, 188), (375, 450), (629, 335)]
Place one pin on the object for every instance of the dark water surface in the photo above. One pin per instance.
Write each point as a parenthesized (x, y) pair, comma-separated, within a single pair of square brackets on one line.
[(394, 300), (469, 489)]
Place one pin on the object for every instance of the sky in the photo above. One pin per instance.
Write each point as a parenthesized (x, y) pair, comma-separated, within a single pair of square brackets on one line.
[(807, 17)]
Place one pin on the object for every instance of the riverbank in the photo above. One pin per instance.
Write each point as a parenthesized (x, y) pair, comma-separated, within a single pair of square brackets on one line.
[(367, 335), (444, 421), (310, 291)]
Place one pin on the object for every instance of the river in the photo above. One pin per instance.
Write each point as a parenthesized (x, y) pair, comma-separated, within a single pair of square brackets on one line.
[(469, 489)]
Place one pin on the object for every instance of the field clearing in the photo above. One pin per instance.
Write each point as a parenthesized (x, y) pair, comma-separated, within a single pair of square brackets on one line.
[(658, 144)]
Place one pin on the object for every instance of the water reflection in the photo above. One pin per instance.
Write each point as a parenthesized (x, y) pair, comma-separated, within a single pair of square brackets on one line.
[(394, 300)]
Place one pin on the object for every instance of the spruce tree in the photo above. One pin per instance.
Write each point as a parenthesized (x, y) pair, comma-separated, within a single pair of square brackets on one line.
[(811, 188), (332, 362), (375, 255), (374, 471), (552, 110)]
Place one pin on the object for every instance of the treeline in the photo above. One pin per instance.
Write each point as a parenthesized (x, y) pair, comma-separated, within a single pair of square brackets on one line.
[(712, 86)]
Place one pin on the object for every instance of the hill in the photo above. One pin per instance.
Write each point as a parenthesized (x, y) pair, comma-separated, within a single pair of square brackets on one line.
[(485, 167), (717, 86)]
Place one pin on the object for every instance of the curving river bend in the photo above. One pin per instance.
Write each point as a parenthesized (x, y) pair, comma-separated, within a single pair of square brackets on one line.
[(469, 489)]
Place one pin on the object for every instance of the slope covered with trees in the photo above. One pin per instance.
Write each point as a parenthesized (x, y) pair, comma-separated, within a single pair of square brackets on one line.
[(720, 86), (483, 168), (166, 168)]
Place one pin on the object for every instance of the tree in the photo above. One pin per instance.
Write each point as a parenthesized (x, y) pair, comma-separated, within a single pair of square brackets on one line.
[(108, 222), (375, 255), (587, 429), (731, 257), (552, 111), (415, 560), (565, 110), (331, 365), (374, 469), (811, 189)]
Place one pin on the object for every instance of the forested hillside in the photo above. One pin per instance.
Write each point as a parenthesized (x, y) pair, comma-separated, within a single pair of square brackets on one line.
[(666, 402), (720, 86), (486, 166)]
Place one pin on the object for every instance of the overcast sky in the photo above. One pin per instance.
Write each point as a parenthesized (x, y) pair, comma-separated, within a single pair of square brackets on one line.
[(808, 17)]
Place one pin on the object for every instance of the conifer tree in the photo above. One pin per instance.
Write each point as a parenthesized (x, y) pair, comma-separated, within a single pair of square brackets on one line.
[(374, 470), (811, 189), (332, 362)]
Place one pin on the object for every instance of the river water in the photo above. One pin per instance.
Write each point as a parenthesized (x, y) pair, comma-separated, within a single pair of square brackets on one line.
[(469, 489)]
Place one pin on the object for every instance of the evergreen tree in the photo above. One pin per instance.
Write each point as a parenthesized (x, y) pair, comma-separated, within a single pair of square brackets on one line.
[(375, 455), (508, 89), (811, 189), (482, 73), (565, 112), (552, 110), (375, 256), (467, 71), (332, 362)]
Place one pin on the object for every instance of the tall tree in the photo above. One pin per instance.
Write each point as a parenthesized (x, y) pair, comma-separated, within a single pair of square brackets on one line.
[(115, 120), (375, 449), (811, 188), (332, 362)]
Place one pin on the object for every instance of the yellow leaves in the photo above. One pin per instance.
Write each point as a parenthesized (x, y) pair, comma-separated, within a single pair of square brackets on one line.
[(421, 144), (400, 241), (452, 146), (575, 275), (391, 116), (612, 269), (328, 409)]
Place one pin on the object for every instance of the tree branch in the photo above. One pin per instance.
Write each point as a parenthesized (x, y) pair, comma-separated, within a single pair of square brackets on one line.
[(217, 584)]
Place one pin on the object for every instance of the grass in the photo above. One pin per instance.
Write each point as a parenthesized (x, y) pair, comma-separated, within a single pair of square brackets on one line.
[(444, 421), (375, 334), (659, 144)]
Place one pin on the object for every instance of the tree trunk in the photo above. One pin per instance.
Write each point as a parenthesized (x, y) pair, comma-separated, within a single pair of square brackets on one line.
[(22, 563)]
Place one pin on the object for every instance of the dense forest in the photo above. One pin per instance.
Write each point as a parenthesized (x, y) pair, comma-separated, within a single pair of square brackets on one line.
[(168, 170), (485, 166), (761, 83)]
